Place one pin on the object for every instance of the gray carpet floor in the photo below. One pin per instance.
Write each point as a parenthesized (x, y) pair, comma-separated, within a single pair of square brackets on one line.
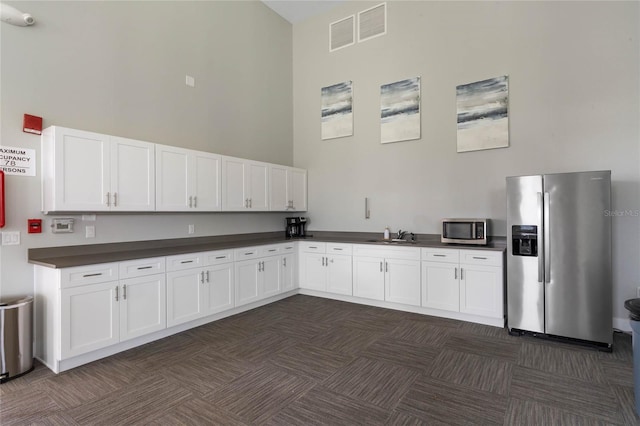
[(307, 360)]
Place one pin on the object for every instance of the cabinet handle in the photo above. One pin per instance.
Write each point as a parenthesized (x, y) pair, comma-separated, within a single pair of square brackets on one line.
[(124, 292), (201, 277), (246, 203), (461, 273), (323, 261), (247, 254), (455, 273), (313, 247), (190, 201), (195, 201), (439, 255), (187, 261), (97, 274), (272, 249), (117, 291), (479, 258), (380, 266), (386, 267), (108, 199), (221, 257), (284, 262), (144, 267), (115, 199), (208, 276), (337, 249)]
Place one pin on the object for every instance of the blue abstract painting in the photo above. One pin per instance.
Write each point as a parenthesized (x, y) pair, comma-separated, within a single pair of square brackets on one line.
[(337, 111), (400, 111), (483, 114)]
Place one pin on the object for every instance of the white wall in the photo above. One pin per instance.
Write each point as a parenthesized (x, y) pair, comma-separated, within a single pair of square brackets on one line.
[(574, 105), (119, 68)]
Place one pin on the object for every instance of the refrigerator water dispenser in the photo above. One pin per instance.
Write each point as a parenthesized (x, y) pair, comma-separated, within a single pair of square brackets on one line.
[(525, 240)]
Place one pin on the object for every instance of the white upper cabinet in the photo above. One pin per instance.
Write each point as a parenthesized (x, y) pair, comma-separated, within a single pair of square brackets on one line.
[(91, 172), (84, 171), (245, 185), (187, 180), (288, 188), (133, 180)]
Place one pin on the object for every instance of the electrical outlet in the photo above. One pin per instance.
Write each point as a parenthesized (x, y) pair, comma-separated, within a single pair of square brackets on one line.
[(192, 229), (11, 238), (190, 81), (90, 231)]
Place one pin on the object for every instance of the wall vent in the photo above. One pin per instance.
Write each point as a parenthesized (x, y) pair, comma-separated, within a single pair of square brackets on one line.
[(342, 33), (372, 22)]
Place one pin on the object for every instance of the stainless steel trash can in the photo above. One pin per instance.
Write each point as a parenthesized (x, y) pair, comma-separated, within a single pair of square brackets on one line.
[(16, 337)]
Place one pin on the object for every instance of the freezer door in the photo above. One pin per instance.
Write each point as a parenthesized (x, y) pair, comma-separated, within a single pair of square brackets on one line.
[(578, 256), (525, 288)]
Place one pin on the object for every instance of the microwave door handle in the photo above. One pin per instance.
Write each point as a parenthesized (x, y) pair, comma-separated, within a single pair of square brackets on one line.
[(473, 231)]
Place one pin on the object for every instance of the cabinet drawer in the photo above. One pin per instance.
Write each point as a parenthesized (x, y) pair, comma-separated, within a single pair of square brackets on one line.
[(184, 261), (217, 257), (246, 253), (89, 274), (313, 247), (141, 267), (339, 248), (269, 250), (441, 255), (289, 247), (481, 257)]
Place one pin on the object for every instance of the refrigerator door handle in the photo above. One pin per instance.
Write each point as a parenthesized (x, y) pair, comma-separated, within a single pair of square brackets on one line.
[(542, 239), (547, 246)]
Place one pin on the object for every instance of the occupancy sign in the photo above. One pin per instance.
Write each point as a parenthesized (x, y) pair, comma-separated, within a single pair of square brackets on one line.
[(18, 161)]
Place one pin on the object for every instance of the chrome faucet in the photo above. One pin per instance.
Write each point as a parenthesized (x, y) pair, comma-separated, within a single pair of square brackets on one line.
[(400, 234)]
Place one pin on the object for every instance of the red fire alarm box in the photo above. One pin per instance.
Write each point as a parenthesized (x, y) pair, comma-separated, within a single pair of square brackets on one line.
[(32, 124), (34, 226)]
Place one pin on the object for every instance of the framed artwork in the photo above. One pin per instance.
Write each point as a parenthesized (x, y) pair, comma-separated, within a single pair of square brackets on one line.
[(483, 114), (400, 111), (337, 111)]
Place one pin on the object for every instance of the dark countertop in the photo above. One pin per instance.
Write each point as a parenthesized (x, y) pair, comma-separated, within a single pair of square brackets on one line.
[(69, 256)]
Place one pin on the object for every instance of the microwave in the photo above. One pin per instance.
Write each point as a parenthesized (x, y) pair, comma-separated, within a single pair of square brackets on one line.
[(465, 231)]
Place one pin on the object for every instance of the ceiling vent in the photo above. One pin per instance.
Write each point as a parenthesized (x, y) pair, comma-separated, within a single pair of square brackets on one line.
[(342, 33), (372, 22)]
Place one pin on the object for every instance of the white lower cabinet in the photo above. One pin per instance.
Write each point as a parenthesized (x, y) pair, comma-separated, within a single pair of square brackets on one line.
[(387, 273), (97, 315), (289, 267), (199, 284), (90, 318), (326, 267), (259, 273), (467, 281)]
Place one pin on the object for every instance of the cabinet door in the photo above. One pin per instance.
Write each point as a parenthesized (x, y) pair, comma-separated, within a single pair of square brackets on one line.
[(247, 281), (219, 287), (233, 184), (402, 281), (89, 318), (172, 178), (258, 181), (279, 188), (298, 190), (206, 182), (440, 286), (271, 276), (481, 290), (289, 271), (82, 167), (184, 294), (312, 271), (339, 275), (368, 277), (143, 306), (133, 184)]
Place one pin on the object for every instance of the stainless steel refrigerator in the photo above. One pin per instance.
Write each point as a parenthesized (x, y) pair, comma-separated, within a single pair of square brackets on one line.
[(559, 256)]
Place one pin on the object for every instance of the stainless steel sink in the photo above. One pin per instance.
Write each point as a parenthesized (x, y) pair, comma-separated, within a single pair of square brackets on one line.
[(392, 241)]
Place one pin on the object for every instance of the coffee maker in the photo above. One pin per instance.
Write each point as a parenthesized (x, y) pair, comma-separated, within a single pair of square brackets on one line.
[(295, 227)]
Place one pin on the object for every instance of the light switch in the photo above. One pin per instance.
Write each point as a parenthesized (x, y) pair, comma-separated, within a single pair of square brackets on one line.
[(11, 238), (190, 81), (192, 229)]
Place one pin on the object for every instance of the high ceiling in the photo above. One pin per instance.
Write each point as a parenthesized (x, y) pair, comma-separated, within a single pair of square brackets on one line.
[(298, 10)]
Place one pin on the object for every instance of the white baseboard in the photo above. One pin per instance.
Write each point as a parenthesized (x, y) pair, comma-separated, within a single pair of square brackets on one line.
[(622, 324)]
